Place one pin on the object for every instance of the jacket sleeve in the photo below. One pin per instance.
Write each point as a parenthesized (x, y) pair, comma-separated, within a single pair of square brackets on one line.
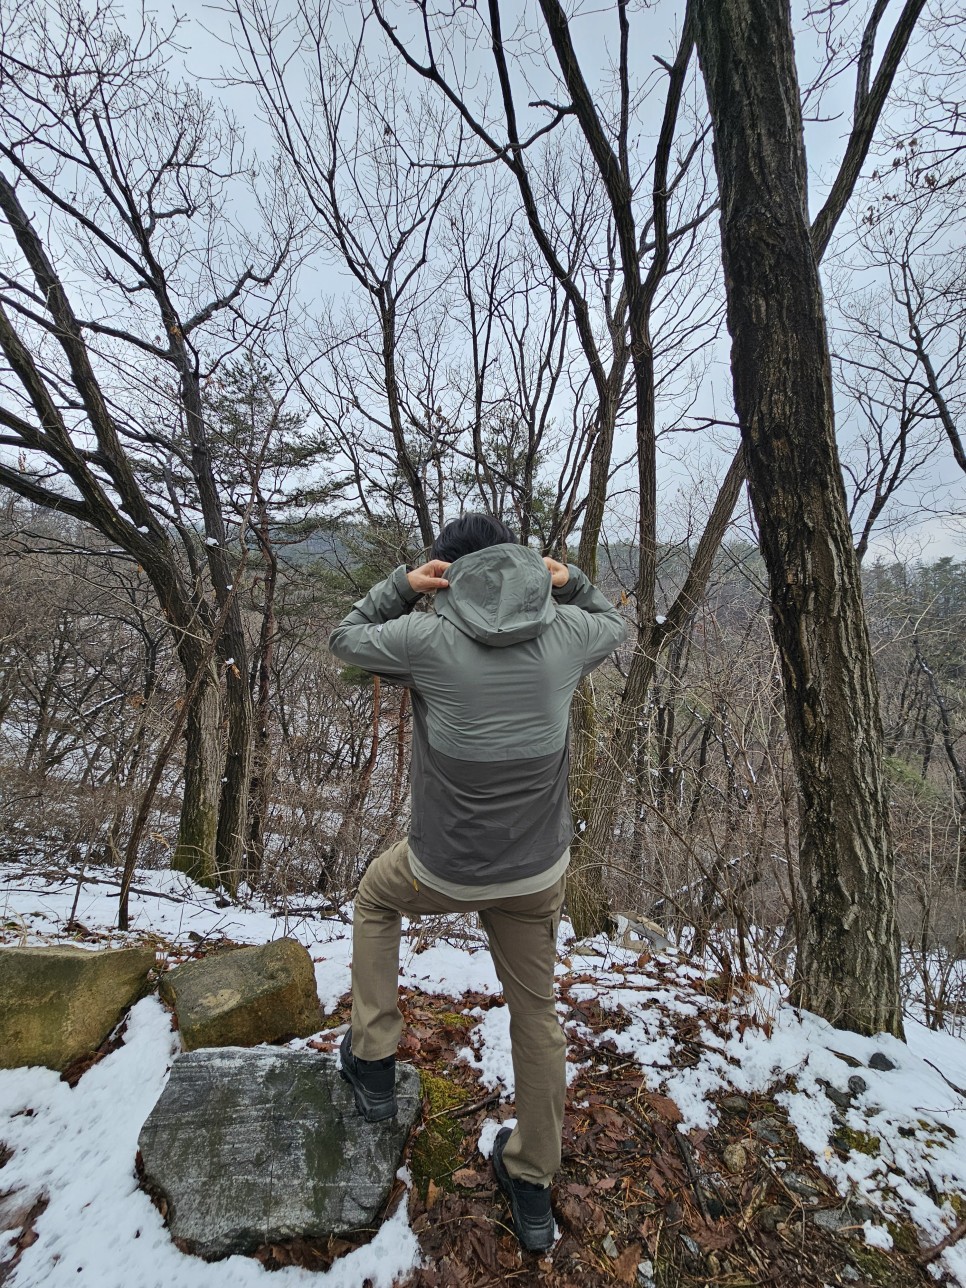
[(605, 627), (374, 634)]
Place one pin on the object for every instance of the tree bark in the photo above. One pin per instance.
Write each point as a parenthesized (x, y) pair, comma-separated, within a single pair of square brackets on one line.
[(259, 796), (231, 842), (204, 759), (848, 957)]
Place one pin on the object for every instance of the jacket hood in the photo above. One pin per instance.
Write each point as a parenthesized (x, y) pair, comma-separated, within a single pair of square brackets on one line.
[(498, 596)]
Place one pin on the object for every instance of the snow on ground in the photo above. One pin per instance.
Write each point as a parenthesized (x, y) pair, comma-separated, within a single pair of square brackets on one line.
[(917, 1118), (78, 1145)]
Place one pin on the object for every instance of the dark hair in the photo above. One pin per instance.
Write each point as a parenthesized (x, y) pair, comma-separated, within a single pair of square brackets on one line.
[(468, 533)]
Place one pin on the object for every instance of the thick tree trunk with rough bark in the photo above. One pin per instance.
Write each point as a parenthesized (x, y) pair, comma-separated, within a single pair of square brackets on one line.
[(204, 760), (232, 840), (260, 791), (847, 966)]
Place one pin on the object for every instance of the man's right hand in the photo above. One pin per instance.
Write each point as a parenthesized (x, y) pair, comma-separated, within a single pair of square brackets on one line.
[(429, 576), (559, 572)]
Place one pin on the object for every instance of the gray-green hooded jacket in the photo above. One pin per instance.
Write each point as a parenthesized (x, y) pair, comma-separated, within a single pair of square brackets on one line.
[(492, 672)]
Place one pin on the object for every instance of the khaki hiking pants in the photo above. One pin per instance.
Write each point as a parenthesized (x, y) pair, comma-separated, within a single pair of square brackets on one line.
[(522, 934)]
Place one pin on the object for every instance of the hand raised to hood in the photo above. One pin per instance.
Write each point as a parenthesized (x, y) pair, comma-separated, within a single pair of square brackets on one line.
[(559, 572), (428, 576)]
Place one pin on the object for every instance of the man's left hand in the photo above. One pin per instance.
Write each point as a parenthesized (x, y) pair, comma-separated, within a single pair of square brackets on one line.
[(429, 576), (559, 572)]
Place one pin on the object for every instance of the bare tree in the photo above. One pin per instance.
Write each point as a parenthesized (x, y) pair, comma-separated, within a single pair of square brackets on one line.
[(123, 285), (847, 966), (349, 133), (909, 330), (622, 275)]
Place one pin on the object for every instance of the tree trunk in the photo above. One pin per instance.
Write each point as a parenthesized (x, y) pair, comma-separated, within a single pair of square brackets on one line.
[(346, 843), (204, 759), (261, 782), (231, 843), (847, 965), (600, 798)]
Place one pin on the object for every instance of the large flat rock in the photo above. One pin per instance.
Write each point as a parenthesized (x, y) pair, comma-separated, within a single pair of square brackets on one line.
[(252, 1146), (58, 1002), (246, 996)]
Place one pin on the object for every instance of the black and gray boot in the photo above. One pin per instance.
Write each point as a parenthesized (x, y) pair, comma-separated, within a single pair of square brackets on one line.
[(373, 1082), (529, 1203)]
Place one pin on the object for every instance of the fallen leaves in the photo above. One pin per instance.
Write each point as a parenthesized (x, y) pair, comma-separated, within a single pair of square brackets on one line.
[(632, 1187), (18, 1212), (310, 1254), (625, 1267)]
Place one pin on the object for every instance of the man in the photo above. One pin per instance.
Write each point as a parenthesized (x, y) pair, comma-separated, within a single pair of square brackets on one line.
[(492, 672)]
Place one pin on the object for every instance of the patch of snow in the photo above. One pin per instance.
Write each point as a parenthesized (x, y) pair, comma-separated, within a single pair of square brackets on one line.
[(450, 971), (488, 1133), (492, 1035), (99, 1229), (79, 1145), (877, 1236)]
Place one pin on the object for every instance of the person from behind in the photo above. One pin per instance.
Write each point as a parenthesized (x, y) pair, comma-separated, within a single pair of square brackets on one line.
[(492, 671)]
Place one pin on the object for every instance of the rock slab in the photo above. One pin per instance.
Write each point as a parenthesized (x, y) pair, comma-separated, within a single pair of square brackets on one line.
[(258, 1146), (58, 1003), (244, 997)]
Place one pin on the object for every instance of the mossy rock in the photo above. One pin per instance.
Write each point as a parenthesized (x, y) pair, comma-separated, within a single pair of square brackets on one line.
[(58, 1002), (241, 998), (878, 1267), (903, 1237), (435, 1154), (850, 1139)]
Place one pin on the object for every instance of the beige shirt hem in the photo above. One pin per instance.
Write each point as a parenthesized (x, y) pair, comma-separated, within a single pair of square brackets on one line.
[(498, 889)]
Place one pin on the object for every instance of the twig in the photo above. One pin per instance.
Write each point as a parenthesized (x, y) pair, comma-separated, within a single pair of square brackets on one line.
[(465, 1109), (960, 1090), (154, 894), (952, 1237), (685, 1151), (334, 913), (73, 909)]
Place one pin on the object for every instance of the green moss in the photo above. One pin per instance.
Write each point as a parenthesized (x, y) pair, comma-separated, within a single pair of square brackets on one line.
[(861, 1142), (435, 1152), (456, 1019), (875, 1266), (943, 1128), (195, 850), (903, 1237), (957, 1202)]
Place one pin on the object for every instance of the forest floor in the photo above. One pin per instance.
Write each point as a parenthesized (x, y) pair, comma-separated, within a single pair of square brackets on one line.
[(714, 1134)]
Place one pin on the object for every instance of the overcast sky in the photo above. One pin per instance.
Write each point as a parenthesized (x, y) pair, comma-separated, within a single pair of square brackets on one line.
[(204, 34)]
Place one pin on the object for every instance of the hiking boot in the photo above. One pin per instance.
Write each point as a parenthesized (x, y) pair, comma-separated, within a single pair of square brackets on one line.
[(373, 1082), (529, 1203)]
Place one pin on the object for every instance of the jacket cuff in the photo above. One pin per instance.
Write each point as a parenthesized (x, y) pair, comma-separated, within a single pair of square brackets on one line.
[(575, 583), (402, 587)]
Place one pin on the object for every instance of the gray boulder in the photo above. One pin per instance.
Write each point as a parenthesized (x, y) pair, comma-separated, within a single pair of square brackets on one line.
[(244, 997), (248, 1147), (58, 1003)]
